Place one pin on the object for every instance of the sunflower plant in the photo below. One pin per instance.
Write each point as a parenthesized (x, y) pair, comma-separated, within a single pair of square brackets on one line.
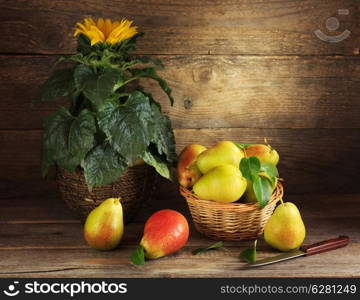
[(110, 122)]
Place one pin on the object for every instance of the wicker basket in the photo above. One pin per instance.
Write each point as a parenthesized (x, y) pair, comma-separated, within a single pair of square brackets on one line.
[(133, 187), (230, 221)]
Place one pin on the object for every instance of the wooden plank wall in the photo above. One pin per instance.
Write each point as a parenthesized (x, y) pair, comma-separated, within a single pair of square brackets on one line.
[(240, 70)]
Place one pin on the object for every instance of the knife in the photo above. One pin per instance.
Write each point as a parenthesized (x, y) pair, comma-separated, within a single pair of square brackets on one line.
[(316, 248)]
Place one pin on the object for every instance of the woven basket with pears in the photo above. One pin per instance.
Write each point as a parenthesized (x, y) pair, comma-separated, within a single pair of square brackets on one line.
[(231, 189)]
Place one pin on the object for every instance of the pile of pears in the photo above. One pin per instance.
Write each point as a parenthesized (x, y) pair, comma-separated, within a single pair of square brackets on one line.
[(214, 173)]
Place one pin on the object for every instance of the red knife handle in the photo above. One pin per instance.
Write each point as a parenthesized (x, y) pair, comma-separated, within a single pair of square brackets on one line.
[(327, 245)]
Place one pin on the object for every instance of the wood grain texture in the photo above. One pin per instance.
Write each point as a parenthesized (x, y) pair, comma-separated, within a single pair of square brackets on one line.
[(64, 253), (246, 27), (222, 263), (216, 91), (318, 161)]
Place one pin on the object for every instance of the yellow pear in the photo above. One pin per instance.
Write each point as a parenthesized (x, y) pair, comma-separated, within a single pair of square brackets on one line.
[(222, 184), (285, 229), (222, 153), (104, 226)]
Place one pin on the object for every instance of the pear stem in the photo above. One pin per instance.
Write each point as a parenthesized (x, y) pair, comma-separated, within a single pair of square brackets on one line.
[(281, 200), (267, 143)]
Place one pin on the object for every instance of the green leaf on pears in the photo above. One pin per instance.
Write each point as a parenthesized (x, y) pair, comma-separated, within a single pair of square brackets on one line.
[(270, 169), (138, 256), (241, 146), (273, 180), (249, 167), (211, 247), (249, 254), (262, 189)]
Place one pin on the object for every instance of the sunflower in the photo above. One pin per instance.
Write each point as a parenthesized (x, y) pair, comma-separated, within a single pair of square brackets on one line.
[(106, 31)]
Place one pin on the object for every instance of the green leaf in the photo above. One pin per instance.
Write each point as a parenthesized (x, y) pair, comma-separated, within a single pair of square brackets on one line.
[(262, 189), (138, 256), (128, 127), (151, 73), (102, 166), (54, 140), (59, 84), (211, 247), (163, 136), (61, 59), (98, 88), (82, 74), (160, 166), (149, 59), (249, 254), (272, 179), (249, 167), (67, 139), (142, 60), (81, 134), (241, 146), (269, 169)]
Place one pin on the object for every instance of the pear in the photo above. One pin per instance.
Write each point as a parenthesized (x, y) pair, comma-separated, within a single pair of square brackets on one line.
[(104, 226), (187, 171), (264, 153), (249, 193), (222, 153), (222, 184), (285, 229), (165, 232)]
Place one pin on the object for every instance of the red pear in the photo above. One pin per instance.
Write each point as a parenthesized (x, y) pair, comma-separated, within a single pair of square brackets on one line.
[(165, 232), (264, 153), (187, 171)]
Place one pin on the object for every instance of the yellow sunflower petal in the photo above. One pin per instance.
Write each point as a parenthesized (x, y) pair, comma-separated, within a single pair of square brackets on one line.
[(79, 31), (95, 40), (89, 22), (108, 27), (122, 32), (114, 25), (81, 26), (101, 26), (98, 31), (122, 27), (94, 37)]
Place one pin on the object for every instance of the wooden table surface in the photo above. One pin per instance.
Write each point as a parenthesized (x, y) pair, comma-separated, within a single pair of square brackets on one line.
[(40, 238)]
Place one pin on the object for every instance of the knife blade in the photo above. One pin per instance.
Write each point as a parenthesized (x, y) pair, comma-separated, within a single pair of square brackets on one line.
[(313, 249)]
